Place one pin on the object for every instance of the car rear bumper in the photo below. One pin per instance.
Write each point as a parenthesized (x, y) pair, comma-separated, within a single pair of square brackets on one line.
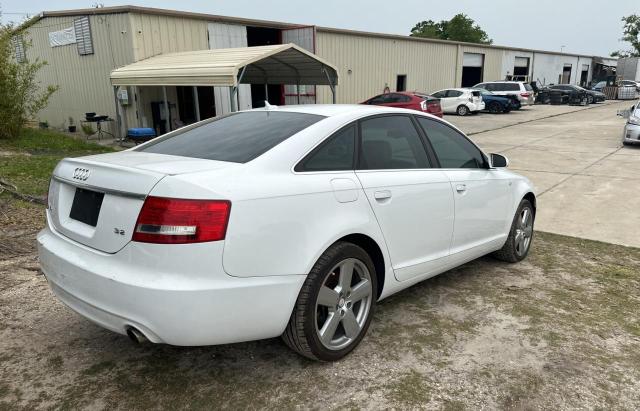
[(476, 106), (180, 296), (631, 134)]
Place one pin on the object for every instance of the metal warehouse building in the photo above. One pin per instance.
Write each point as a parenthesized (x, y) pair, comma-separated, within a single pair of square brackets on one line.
[(84, 46)]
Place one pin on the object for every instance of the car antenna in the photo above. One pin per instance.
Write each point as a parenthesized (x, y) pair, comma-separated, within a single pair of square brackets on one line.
[(269, 106)]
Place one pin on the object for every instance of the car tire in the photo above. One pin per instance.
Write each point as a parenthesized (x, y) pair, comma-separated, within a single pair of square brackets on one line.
[(624, 143), (495, 107), (462, 110), (316, 314), (518, 244)]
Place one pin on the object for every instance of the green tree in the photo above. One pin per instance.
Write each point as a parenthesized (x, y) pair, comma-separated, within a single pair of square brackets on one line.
[(460, 28), (631, 34), (21, 94)]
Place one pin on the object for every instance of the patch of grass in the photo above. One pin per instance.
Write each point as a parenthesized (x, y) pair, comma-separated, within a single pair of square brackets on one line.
[(411, 389), (34, 155), (48, 142)]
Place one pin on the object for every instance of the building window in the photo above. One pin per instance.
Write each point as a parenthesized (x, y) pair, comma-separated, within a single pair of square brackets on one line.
[(401, 82), (83, 36), (17, 43)]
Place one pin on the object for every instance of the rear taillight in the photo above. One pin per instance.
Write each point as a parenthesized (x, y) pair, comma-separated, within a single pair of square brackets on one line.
[(433, 107), (525, 95), (423, 105), (178, 221)]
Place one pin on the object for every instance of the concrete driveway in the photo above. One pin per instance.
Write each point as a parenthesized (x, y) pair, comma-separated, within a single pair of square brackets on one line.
[(587, 181)]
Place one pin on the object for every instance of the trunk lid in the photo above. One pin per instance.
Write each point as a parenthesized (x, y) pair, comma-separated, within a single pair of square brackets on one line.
[(96, 200)]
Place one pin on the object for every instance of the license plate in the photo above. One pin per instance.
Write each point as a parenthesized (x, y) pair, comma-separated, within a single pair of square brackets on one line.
[(86, 206)]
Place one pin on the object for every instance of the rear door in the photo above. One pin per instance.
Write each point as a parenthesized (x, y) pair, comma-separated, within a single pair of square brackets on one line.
[(482, 196), (413, 202)]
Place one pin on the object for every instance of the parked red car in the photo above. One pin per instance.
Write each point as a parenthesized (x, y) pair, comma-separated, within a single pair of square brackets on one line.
[(406, 99)]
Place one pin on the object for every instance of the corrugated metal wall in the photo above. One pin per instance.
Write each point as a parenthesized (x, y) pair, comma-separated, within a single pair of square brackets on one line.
[(367, 65), (155, 35), (83, 80)]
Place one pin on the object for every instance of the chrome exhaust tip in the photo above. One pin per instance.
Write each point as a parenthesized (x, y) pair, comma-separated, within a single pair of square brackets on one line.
[(136, 335)]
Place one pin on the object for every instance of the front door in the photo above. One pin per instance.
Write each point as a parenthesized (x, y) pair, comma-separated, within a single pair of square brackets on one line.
[(412, 202), (482, 195)]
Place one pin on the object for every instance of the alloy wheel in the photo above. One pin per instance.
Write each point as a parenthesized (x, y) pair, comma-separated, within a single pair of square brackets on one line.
[(524, 231), (343, 304)]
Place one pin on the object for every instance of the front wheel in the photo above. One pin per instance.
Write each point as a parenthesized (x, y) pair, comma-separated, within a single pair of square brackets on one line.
[(520, 237), (462, 110), (335, 305), (589, 99)]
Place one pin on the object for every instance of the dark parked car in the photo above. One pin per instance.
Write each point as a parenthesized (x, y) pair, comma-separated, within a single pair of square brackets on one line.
[(592, 96), (494, 103), (411, 100), (567, 94)]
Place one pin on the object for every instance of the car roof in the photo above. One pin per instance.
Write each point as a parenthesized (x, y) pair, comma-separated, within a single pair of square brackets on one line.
[(503, 81), (330, 110)]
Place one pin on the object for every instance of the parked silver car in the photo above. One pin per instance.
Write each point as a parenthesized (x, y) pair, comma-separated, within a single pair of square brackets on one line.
[(631, 133), (522, 90)]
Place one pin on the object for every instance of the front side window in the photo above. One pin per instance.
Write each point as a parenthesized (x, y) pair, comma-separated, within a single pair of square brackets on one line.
[(391, 142), (237, 138), (336, 154), (440, 94), (452, 148)]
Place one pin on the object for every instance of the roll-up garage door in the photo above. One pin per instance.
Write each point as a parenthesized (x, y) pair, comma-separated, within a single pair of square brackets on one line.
[(472, 65), (473, 60), (521, 62)]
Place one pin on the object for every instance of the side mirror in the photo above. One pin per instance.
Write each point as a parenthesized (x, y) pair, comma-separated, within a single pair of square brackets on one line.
[(498, 161)]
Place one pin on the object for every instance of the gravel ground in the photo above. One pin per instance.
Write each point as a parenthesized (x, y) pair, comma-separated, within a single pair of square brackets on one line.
[(559, 330)]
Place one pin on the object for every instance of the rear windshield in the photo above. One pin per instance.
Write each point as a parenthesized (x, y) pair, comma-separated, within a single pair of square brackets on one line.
[(237, 138), (528, 87)]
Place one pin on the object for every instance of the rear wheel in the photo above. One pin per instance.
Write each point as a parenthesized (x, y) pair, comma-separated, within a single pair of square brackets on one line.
[(462, 110), (495, 107), (335, 306), (520, 237)]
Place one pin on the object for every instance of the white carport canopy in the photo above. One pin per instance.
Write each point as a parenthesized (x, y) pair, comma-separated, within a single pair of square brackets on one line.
[(278, 64)]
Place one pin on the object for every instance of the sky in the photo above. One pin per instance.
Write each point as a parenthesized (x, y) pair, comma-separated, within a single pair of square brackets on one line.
[(590, 27)]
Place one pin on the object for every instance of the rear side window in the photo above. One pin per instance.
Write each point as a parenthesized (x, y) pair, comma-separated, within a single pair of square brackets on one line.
[(236, 138), (335, 154), (452, 148), (454, 93), (391, 142), (511, 87)]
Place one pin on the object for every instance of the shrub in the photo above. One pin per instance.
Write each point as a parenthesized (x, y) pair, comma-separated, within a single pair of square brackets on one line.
[(21, 95)]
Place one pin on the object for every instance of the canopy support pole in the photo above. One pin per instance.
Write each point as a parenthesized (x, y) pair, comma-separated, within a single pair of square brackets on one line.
[(234, 91), (118, 117), (196, 102), (167, 123), (331, 85), (266, 91), (298, 90)]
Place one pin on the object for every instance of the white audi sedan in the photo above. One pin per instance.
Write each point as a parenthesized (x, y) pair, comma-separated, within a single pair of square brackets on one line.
[(291, 221)]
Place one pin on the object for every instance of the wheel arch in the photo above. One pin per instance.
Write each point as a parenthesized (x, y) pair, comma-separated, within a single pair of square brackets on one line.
[(532, 199), (374, 250)]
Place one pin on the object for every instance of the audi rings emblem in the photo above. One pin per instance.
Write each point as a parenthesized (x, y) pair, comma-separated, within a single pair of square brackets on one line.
[(81, 174)]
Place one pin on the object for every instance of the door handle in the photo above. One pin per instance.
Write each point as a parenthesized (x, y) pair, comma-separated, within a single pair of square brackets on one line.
[(461, 188), (382, 195)]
